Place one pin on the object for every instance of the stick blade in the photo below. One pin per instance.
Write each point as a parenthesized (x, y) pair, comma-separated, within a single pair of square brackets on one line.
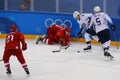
[(67, 46), (56, 51)]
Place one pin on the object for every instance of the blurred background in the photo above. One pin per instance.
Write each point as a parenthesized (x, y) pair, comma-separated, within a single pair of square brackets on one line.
[(112, 7), (35, 14)]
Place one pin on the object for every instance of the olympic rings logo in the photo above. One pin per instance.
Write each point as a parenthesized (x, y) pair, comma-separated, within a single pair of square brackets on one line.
[(65, 23)]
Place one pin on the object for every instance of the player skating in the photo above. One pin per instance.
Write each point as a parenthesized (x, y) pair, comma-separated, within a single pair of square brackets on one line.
[(83, 21), (100, 20), (12, 47)]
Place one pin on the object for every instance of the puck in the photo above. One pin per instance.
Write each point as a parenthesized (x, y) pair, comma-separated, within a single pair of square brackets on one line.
[(78, 51)]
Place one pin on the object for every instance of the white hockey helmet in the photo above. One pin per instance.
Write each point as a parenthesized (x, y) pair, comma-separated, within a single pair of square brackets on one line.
[(75, 14), (96, 9)]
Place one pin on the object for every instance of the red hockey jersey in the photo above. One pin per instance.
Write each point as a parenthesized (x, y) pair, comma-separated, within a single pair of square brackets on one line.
[(13, 40)]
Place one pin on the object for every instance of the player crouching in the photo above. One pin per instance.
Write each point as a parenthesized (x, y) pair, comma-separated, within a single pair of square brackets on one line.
[(55, 34)]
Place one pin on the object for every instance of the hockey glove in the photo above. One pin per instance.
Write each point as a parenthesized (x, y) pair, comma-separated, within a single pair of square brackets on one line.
[(79, 34), (24, 46), (113, 27)]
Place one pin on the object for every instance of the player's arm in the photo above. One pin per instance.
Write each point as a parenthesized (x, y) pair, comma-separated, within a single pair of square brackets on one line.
[(65, 40), (22, 40), (82, 28), (65, 36), (113, 27), (81, 32), (108, 19)]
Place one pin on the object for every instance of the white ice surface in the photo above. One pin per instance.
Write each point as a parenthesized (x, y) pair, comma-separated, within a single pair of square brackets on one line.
[(64, 65)]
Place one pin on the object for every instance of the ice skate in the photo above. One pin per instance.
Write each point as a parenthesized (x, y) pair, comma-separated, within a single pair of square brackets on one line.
[(8, 71), (108, 55), (27, 71), (39, 38), (87, 48)]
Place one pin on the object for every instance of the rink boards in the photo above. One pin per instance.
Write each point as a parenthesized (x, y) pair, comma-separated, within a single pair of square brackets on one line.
[(82, 40)]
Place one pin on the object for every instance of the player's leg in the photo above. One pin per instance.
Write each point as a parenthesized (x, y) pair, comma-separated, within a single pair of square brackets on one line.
[(39, 38), (88, 41), (95, 37), (88, 38), (104, 38), (47, 41), (6, 58), (107, 44), (21, 59)]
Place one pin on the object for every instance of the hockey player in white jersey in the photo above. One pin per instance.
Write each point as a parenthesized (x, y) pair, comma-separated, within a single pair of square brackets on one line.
[(100, 20), (83, 21)]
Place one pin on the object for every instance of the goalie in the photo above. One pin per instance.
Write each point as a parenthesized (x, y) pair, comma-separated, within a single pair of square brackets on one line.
[(55, 34)]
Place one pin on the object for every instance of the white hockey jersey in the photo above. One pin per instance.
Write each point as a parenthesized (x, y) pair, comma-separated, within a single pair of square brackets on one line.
[(100, 21), (84, 18)]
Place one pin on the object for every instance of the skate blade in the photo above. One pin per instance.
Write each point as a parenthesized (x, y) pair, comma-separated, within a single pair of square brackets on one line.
[(87, 50), (109, 59)]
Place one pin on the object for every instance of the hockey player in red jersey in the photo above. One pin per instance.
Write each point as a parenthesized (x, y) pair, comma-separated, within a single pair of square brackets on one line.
[(56, 34), (12, 47), (51, 34), (63, 36)]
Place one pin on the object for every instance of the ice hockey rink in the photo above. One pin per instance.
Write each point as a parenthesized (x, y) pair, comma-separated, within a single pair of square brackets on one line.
[(64, 65)]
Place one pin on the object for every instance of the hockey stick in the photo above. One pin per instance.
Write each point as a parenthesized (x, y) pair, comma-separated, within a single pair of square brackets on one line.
[(115, 36), (67, 46), (61, 48), (58, 49)]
